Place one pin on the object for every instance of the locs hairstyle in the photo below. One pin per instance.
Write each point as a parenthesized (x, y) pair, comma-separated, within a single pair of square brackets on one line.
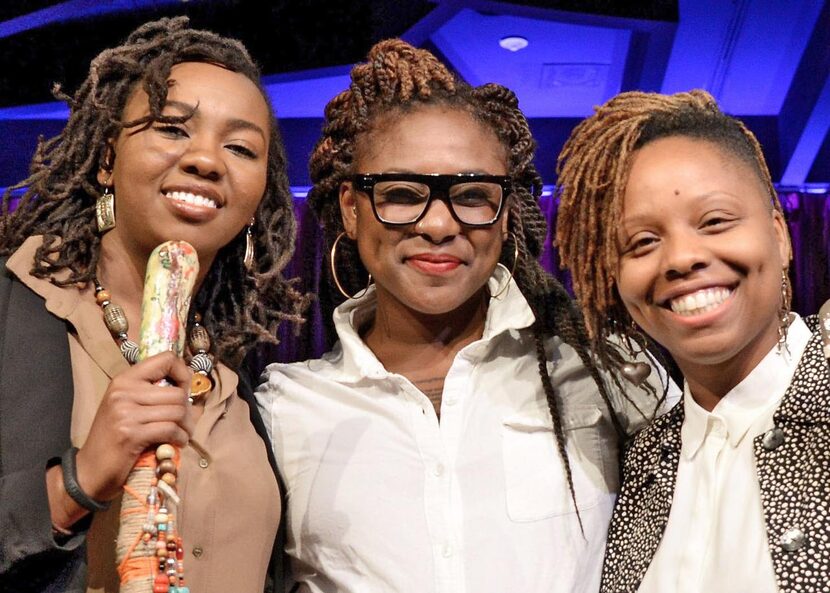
[(238, 307), (593, 171), (398, 78)]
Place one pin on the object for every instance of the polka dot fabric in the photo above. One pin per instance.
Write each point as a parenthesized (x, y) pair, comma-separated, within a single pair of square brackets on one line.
[(793, 473)]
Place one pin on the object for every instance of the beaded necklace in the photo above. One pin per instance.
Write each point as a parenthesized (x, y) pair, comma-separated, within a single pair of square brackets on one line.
[(202, 364), (159, 531)]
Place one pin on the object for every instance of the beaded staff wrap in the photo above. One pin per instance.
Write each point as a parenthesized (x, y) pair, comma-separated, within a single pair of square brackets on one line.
[(149, 550)]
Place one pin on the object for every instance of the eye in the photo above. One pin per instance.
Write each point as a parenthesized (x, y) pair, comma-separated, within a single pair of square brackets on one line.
[(641, 244), (401, 194), (717, 222), (472, 198), (242, 150), (171, 131)]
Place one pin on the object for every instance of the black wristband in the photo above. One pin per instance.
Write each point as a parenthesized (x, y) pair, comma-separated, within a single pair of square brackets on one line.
[(73, 489)]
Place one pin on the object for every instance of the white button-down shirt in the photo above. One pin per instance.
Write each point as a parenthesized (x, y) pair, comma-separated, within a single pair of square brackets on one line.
[(715, 540), (382, 497)]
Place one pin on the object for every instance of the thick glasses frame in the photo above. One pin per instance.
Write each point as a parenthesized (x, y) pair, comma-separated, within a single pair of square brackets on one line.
[(439, 189)]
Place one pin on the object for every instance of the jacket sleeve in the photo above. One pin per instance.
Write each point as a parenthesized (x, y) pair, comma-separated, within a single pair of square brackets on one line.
[(36, 393)]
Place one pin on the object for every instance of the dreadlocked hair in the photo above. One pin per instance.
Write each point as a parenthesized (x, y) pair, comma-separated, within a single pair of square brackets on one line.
[(238, 307), (398, 78), (593, 171)]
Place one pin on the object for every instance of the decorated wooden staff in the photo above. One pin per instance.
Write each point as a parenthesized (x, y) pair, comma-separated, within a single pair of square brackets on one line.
[(149, 549)]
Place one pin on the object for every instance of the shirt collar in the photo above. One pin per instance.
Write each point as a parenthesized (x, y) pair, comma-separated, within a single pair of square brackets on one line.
[(745, 403), (508, 311)]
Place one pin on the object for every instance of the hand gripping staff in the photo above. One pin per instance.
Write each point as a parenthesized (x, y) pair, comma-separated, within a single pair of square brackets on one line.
[(149, 550)]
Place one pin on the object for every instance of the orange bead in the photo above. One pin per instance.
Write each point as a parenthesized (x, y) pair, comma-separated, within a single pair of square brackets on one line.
[(101, 296)]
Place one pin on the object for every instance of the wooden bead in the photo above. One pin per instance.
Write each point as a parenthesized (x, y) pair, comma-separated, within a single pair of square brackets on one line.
[(115, 319), (101, 297), (165, 452), (166, 466), (170, 479), (199, 339)]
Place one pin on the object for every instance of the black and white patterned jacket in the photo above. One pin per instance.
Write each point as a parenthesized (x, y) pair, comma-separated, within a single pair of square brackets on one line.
[(793, 468)]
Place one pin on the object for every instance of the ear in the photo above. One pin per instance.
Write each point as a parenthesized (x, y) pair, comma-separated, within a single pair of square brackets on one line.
[(782, 237), (348, 209), (107, 162)]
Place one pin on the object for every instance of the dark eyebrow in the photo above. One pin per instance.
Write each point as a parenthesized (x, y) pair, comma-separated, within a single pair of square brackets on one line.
[(232, 125)]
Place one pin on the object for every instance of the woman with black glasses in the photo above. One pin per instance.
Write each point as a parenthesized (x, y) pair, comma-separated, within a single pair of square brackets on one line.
[(459, 437)]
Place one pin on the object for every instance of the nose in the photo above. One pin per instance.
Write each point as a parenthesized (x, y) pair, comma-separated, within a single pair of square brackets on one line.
[(203, 158), (438, 224), (684, 254)]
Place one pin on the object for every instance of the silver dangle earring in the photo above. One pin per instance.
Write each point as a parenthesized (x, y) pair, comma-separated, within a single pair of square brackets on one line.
[(105, 211), (635, 372), (248, 260), (784, 311)]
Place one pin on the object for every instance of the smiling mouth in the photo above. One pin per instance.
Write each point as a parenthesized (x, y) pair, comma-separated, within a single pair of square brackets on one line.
[(701, 301), (188, 198)]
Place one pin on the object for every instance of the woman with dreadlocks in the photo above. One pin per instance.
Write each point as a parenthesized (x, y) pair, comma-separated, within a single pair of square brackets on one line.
[(671, 226), (460, 436), (169, 137)]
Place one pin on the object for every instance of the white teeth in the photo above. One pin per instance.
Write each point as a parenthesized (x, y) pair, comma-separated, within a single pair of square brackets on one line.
[(197, 200), (699, 302)]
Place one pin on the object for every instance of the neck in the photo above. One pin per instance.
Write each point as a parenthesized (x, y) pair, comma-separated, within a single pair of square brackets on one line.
[(409, 342), (121, 272), (709, 383)]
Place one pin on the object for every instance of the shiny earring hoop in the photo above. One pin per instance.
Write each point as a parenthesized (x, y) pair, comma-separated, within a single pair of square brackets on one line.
[(248, 260), (105, 211), (513, 269), (332, 258)]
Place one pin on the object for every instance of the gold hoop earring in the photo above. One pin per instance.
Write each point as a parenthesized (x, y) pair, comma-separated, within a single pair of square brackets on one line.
[(513, 269), (248, 259), (332, 258), (105, 211)]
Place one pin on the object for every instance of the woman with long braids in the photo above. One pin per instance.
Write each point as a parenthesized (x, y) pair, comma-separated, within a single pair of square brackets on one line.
[(459, 437), (170, 137), (673, 231)]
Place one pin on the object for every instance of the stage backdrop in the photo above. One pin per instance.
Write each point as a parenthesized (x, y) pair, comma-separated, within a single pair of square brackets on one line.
[(808, 216)]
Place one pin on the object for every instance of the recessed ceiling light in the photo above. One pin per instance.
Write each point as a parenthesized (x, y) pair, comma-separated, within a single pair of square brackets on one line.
[(513, 42)]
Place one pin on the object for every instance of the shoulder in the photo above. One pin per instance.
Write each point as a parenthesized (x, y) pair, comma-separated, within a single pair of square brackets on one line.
[(299, 380), (657, 432)]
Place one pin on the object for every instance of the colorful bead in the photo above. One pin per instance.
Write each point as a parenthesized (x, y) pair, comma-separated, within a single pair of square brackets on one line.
[(101, 296), (200, 384), (169, 479)]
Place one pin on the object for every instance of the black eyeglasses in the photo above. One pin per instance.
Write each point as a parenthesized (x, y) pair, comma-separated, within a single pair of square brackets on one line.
[(403, 198)]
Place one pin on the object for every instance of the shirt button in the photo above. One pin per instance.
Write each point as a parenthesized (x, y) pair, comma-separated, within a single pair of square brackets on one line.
[(793, 539), (438, 470), (446, 550), (203, 463), (773, 438), (198, 551)]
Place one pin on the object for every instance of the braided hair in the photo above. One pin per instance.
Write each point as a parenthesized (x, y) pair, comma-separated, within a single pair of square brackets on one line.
[(238, 307), (593, 171), (398, 78)]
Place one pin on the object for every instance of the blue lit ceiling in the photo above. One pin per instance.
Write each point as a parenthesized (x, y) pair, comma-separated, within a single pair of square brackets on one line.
[(766, 61)]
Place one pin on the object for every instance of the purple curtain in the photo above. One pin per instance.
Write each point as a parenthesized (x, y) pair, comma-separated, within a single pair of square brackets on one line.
[(808, 216)]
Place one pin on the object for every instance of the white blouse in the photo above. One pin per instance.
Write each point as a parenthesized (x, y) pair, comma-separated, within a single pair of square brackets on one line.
[(715, 539), (382, 497)]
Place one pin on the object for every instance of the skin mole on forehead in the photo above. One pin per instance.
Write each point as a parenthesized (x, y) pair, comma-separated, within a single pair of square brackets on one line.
[(677, 192)]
